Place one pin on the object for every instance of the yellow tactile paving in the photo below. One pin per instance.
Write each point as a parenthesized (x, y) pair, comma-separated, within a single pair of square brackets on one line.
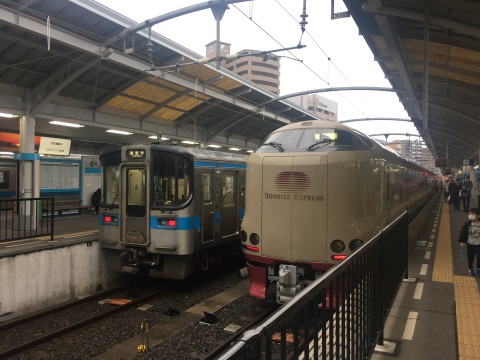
[(467, 297), (443, 266)]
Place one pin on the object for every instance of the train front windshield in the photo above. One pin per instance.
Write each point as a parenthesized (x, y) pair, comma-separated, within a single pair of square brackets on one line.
[(111, 173), (172, 177), (314, 139)]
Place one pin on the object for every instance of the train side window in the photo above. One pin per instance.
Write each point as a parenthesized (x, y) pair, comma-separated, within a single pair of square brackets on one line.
[(4, 179), (365, 139), (228, 190), (207, 188)]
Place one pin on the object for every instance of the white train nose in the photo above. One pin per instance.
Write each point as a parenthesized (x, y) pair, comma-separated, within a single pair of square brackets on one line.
[(294, 207)]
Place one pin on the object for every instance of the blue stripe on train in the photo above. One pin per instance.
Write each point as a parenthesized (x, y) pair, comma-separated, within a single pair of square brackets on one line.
[(220, 165), (185, 223), (182, 223)]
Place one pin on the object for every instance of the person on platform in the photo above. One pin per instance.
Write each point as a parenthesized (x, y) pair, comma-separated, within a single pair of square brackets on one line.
[(467, 193), (470, 235), (445, 190), (96, 196), (454, 190)]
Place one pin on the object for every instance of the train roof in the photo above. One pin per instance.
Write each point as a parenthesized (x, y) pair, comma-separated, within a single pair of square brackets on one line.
[(335, 125), (198, 154)]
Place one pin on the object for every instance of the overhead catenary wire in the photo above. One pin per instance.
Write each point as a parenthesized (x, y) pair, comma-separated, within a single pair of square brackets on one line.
[(303, 62), (330, 61), (120, 45)]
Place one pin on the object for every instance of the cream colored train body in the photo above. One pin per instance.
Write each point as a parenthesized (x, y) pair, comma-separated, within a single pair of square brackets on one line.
[(315, 191)]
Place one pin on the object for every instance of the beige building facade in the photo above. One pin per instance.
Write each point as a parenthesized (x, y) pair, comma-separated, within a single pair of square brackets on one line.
[(252, 67)]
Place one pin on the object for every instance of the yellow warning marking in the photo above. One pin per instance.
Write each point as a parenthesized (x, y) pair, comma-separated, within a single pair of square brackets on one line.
[(467, 300), (443, 266), (467, 297)]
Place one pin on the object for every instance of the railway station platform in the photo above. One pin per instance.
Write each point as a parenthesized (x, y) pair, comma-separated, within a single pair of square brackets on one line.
[(436, 314), (40, 272)]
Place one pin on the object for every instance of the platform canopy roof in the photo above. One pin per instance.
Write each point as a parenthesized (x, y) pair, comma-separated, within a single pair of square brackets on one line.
[(67, 61), (442, 93)]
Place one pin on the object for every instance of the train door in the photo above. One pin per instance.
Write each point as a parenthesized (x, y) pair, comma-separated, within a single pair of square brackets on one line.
[(229, 217), (208, 207), (135, 223)]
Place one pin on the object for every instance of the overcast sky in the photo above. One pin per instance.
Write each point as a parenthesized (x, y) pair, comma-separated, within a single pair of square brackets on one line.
[(273, 24)]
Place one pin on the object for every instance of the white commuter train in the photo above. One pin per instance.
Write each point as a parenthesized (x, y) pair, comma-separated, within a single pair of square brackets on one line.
[(315, 191)]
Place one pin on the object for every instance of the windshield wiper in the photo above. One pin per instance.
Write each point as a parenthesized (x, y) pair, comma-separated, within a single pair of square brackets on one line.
[(324, 142), (275, 145)]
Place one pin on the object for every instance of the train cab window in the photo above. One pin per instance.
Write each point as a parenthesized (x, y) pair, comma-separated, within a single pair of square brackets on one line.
[(136, 192), (111, 178), (4, 179), (228, 190), (207, 188), (332, 139), (364, 138), (172, 176), (282, 141)]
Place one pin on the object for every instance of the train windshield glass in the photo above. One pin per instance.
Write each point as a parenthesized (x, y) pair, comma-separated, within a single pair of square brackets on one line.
[(111, 174), (282, 141), (312, 140), (335, 139), (172, 175)]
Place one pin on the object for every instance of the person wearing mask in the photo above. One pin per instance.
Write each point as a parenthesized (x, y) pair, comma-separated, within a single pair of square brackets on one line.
[(470, 235), (467, 193)]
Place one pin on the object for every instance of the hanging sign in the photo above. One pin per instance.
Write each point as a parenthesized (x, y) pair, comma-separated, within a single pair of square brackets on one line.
[(54, 146)]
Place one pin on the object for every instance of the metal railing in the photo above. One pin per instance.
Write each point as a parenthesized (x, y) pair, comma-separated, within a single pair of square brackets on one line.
[(26, 218), (340, 315)]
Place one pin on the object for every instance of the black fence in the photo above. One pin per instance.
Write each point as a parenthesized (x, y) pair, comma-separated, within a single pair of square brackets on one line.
[(340, 315), (26, 218)]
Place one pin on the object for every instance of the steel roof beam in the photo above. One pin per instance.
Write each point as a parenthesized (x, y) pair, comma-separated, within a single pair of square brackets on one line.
[(391, 40), (461, 27), (37, 26)]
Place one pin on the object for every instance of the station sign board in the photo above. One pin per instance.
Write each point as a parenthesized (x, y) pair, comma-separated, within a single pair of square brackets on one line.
[(468, 162), (54, 146)]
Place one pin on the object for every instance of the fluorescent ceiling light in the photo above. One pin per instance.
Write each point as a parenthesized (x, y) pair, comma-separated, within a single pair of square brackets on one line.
[(7, 115), (6, 153), (234, 149), (214, 146), (119, 132), (66, 124), (189, 142), (250, 151), (162, 138)]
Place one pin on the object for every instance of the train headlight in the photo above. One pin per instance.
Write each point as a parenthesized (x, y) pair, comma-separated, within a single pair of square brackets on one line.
[(354, 244), (337, 246), (243, 236), (254, 239)]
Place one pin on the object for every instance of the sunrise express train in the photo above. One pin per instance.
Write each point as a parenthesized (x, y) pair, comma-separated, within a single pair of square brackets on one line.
[(315, 191), (169, 211)]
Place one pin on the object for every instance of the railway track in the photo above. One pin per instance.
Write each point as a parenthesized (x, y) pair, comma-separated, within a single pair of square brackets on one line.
[(257, 320), (46, 315)]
